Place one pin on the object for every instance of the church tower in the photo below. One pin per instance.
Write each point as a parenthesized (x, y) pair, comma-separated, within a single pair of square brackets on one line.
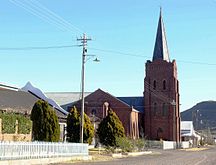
[(161, 92)]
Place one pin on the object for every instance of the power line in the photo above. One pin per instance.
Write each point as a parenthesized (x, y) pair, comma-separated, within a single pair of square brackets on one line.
[(36, 8), (196, 62), (139, 55), (37, 47), (57, 17), (118, 52), (40, 11), (102, 50)]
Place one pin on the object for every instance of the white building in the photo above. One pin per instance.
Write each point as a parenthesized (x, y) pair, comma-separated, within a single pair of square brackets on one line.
[(189, 134)]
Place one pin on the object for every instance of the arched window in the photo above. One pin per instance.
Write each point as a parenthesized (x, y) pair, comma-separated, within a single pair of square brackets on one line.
[(154, 84), (105, 109), (155, 109), (164, 109), (164, 84), (93, 112), (159, 133)]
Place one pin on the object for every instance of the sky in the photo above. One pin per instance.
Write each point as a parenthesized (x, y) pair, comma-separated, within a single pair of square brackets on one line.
[(123, 34)]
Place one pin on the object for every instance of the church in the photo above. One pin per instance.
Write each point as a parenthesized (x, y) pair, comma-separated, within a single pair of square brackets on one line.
[(161, 92), (155, 115)]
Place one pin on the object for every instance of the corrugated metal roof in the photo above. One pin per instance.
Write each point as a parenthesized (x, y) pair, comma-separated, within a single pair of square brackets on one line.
[(64, 98), (19, 102), (136, 102)]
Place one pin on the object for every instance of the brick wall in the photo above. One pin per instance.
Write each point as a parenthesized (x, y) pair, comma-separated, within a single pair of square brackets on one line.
[(96, 103), (158, 97)]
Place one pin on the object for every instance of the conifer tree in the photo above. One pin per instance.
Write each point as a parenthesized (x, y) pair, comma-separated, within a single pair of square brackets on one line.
[(73, 127), (45, 122), (110, 129)]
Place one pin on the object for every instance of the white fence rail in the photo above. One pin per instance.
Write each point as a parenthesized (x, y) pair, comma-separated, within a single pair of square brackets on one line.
[(34, 150)]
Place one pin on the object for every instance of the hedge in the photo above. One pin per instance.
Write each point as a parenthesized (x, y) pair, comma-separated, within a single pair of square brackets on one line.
[(9, 123)]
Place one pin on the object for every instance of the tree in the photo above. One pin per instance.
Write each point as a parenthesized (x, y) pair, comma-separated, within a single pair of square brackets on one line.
[(73, 127), (45, 122), (110, 129)]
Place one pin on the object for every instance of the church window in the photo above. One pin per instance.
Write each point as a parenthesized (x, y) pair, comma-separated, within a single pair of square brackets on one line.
[(164, 109), (154, 84), (105, 109), (93, 111), (159, 133), (155, 109), (164, 84)]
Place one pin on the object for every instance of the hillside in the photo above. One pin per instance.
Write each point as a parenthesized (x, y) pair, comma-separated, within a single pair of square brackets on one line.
[(202, 114)]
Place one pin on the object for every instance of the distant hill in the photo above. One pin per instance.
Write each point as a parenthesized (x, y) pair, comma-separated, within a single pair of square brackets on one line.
[(202, 114)]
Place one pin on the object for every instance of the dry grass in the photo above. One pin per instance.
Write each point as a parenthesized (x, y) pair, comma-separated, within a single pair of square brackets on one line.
[(194, 149)]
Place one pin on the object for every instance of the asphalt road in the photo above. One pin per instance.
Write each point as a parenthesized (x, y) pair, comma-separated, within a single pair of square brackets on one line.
[(168, 157)]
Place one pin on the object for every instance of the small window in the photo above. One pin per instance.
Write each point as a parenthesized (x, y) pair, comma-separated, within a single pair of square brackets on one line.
[(164, 84), (93, 112), (154, 84), (164, 109), (155, 109)]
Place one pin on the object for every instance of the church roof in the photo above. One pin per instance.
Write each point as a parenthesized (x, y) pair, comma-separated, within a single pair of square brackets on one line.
[(161, 49), (136, 102)]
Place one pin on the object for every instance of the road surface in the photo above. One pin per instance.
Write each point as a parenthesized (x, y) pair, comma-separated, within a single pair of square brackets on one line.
[(161, 157)]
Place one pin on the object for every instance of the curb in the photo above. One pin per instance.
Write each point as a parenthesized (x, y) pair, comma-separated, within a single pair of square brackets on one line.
[(44, 160), (120, 155)]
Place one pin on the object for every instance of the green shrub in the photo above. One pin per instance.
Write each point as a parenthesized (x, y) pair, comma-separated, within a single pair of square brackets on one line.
[(73, 127), (109, 129), (45, 122), (8, 123), (139, 144), (125, 144), (24, 124)]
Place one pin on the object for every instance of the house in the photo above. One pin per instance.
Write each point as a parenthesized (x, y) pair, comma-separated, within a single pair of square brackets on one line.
[(22, 100), (189, 134)]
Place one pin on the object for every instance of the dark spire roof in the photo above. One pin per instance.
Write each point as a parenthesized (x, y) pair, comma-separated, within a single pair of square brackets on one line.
[(161, 49)]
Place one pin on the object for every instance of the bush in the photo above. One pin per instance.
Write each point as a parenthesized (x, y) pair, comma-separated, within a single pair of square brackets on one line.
[(129, 145), (73, 127), (9, 123), (139, 144), (110, 129), (125, 144), (24, 124), (45, 122)]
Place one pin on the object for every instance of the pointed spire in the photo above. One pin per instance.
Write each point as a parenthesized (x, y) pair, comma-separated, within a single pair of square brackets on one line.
[(161, 49)]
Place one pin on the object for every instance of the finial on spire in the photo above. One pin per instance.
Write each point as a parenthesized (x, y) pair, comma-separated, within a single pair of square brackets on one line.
[(160, 10)]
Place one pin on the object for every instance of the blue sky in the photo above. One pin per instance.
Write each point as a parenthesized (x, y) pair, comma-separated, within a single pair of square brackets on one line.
[(128, 27)]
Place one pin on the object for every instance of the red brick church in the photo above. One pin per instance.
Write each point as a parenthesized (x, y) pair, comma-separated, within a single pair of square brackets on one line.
[(161, 92), (154, 116)]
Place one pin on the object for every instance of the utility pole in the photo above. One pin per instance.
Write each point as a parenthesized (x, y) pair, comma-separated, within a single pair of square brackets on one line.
[(173, 103), (83, 41)]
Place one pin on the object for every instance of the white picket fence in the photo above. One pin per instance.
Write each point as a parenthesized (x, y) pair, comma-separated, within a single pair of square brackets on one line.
[(35, 150)]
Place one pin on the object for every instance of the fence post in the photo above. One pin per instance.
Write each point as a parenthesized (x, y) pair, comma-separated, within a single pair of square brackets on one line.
[(16, 127)]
